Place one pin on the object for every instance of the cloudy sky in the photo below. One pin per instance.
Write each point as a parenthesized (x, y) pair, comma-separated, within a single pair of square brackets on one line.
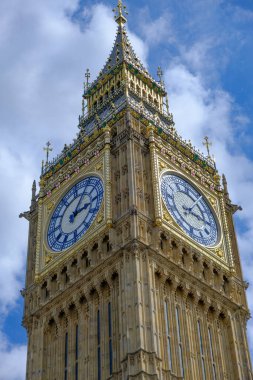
[(205, 49)]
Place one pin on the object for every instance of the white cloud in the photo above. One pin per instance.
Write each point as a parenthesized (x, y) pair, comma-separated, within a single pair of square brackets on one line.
[(13, 360)]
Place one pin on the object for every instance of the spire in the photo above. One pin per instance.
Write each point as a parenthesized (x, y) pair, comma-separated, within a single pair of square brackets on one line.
[(225, 186), (48, 148), (122, 51), (33, 200), (207, 144)]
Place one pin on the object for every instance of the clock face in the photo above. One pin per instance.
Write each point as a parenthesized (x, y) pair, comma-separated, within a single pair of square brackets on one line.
[(189, 209), (75, 213)]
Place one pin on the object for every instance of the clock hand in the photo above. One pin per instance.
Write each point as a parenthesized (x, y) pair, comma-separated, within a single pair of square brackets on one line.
[(74, 213), (83, 208), (80, 200), (194, 204), (197, 216), (189, 209)]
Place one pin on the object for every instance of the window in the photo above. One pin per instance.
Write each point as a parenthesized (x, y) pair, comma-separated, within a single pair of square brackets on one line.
[(110, 338), (211, 350), (66, 358), (98, 345), (201, 351), (168, 336), (180, 349), (76, 353)]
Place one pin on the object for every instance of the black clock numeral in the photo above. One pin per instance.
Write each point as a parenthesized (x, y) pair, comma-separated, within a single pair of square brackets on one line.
[(206, 231)]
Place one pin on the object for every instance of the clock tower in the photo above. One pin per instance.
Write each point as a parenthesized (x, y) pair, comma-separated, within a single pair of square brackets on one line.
[(133, 269)]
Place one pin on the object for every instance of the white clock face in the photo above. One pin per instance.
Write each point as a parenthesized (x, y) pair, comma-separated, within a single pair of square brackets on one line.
[(189, 209), (75, 213)]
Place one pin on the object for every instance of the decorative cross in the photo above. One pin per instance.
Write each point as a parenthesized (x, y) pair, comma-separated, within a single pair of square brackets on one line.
[(47, 149), (207, 144), (87, 76), (120, 10)]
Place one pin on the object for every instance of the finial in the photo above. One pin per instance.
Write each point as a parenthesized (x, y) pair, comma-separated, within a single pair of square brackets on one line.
[(87, 76), (120, 10), (33, 200), (207, 144), (160, 75), (225, 185), (167, 104), (83, 107), (47, 149), (34, 190)]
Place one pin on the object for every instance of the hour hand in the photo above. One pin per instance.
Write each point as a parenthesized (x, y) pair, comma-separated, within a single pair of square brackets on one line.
[(197, 216), (82, 208), (74, 213)]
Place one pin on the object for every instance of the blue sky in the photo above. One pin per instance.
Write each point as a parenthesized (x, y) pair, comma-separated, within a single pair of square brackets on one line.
[(205, 49)]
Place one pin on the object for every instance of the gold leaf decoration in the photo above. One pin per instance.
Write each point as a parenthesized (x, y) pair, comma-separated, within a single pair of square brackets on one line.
[(219, 252), (99, 166), (48, 258), (50, 206), (167, 216), (212, 201), (100, 218), (162, 165)]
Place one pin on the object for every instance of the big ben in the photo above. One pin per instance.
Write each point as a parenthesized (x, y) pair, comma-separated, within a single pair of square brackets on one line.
[(133, 269)]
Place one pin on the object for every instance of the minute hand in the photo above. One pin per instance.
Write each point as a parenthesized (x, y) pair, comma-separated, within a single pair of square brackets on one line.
[(80, 200), (194, 204)]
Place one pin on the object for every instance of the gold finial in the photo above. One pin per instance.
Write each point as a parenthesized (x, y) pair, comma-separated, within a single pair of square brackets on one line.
[(160, 75), (207, 144), (47, 149), (120, 10)]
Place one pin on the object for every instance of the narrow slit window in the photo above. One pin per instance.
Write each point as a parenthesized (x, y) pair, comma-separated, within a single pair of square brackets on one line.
[(211, 351), (76, 352), (110, 338), (201, 351), (180, 345), (66, 357), (168, 336), (98, 346)]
